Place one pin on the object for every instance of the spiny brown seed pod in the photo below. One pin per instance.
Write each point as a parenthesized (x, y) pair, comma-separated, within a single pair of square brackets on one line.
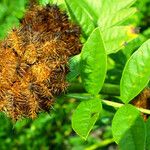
[(143, 100), (33, 61)]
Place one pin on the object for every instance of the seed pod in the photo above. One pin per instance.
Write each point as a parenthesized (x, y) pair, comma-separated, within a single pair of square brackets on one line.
[(33, 61), (143, 100)]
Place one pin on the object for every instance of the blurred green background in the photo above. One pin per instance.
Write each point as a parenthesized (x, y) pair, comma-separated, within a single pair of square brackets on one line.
[(53, 130)]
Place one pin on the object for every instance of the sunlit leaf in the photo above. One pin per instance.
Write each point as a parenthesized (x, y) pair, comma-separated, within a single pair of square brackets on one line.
[(93, 63), (79, 13), (85, 116), (128, 128), (116, 37), (136, 73), (74, 67), (108, 13), (148, 134), (115, 19)]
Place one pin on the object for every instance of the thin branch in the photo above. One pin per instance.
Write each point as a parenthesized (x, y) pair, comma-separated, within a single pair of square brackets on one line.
[(100, 144), (118, 105), (106, 102), (107, 89)]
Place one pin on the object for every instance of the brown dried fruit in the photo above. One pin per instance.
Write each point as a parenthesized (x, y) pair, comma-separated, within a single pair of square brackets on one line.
[(33, 61), (143, 100)]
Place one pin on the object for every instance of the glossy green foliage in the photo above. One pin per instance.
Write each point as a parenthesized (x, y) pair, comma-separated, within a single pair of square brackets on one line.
[(120, 11), (92, 75), (74, 67), (93, 63), (116, 37), (80, 14), (85, 116), (136, 73), (128, 129), (148, 134)]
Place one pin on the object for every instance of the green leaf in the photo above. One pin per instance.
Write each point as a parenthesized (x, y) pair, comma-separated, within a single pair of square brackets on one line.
[(116, 18), (93, 63), (95, 6), (116, 5), (107, 13), (116, 37), (132, 45), (74, 64), (136, 73), (79, 12), (85, 116), (128, 128), (148, 134)]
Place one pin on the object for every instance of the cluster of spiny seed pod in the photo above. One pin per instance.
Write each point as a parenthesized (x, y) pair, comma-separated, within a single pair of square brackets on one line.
[(33, 61), (143, 100)]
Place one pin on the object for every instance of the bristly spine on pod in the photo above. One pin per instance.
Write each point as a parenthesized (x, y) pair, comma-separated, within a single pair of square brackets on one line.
[(34, 61)]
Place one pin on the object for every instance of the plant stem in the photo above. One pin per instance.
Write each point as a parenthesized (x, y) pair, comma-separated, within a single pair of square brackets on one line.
[(100, 144), (110, 103), (108, 89), (118, 105)]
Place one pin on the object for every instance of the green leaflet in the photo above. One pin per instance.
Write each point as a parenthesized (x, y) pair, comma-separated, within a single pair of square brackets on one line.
[(148, 134), (79, 13), (93, 63), (111, 12), (116, 37), (132, 45), (136, 73), (85, 116), (115, 18), (96, 7), (128, 128), (74, 64)]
